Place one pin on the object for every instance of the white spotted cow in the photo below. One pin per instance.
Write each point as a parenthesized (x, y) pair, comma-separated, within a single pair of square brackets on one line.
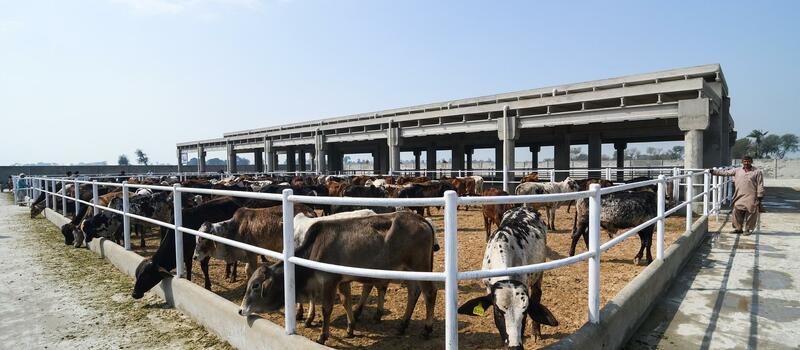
[(520, 240)]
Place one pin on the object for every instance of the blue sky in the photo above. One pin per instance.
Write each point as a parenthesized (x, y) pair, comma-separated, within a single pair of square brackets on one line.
[(115, 75)]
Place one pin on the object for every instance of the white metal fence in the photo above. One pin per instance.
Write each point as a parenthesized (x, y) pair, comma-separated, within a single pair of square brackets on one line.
[(715, 191)]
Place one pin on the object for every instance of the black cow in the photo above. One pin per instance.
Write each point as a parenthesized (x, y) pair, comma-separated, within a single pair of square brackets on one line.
[(151, 271)]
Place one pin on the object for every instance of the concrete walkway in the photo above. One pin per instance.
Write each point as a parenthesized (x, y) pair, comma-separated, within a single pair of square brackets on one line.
[(739, 292)]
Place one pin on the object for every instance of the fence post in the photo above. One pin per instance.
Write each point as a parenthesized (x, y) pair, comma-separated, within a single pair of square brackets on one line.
[(77, 196), (689, 195), (95, 198), (126, 220), (46, 195), (715, 192), (676, 185), (53, 198), (288, 266), (451, 269), (178, 221), (594, 248), (608, 174), (552, 176), (660, 212), (706, 186), (64, 197)]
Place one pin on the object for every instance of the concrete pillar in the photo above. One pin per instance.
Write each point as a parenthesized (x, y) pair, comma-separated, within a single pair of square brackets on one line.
[(291, 162), (620, 148), (595, 155), (561, 152), (231, 163), (535, 156), (180, 161), (469, 151), (270, 155), (694, 118), (319, 150), (457, 162), (498, 161), (430, 162), (301, 159), (508, 133), (393, 141), (201, 159), (258, 159), (417, 161), (376, 162), (725, 130)]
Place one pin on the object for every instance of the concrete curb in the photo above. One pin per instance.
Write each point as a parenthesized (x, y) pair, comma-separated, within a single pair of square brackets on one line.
[(215, 313), (621, 317)]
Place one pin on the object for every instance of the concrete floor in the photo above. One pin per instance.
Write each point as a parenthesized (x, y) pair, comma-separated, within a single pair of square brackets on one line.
[(740, 292)]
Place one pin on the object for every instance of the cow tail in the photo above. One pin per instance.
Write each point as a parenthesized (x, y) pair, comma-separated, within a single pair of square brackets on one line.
[(433, 232)]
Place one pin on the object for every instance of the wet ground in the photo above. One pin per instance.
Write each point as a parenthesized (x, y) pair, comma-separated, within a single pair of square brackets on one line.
[(58, 297), (739, 292)]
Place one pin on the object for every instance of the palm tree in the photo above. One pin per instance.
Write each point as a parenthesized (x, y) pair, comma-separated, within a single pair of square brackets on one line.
[(758, 135)]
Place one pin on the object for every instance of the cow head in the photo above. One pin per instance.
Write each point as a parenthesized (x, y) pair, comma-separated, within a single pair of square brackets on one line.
[(205, 247), (573, 185), (148, 275), (512, 306), (68, 231), (265, 291), (37, 209)]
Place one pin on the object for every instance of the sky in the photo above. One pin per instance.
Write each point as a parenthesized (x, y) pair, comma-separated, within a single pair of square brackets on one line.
[(85, 81)]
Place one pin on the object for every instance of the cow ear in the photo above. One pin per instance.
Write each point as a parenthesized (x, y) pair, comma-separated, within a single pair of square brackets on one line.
[(541, 314), (477, 306)]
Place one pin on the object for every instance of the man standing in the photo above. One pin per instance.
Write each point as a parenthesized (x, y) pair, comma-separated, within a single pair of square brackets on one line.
[(749, 183), (22, 184)]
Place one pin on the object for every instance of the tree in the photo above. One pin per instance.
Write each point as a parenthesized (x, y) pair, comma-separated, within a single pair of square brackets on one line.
[(675, 153), (123, 160), (758, 136), (141, 157), (771, 146), (789, 143), (742, 147), (242, 161), (632, 153)]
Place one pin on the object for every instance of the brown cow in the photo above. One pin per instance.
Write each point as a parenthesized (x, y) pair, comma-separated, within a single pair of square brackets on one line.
[(261, 227), (396, 241), (493, 213), (532, 177)]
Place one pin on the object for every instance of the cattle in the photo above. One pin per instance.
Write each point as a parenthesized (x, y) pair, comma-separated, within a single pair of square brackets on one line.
[(529, 188), (493, 213), (396, 241), (532, 177), (149, 272), (619, 210), (520, 240), (361, 192), (261, 227), (83, 226), (38, 206), (436, 189)]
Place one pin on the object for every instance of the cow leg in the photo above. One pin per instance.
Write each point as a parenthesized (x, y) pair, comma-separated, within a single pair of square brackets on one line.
[(204, 268), (328, 294), (187, 261), (347, 303), (141, 239), (228, 267), (163, 232), (536, 298), (413, 296), (233, 271), (311, 313), (381, 300), (366, 288), (252, 264), (551, 217), (429, 294), (487, 225)]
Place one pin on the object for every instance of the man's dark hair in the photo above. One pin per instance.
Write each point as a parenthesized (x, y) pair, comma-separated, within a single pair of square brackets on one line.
[(747, 158)]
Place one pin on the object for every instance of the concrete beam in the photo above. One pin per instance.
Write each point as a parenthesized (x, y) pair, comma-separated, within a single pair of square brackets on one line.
[(535, 156), (620, 148), (270, 156), (430, 160), (201, 159), (319, 149), (231, 162)]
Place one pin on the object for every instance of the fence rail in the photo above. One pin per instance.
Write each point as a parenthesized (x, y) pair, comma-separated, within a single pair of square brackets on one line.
[(716, 190)]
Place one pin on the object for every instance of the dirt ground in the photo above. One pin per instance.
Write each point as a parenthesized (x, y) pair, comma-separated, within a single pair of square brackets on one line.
[(57, 297), (564, 290)]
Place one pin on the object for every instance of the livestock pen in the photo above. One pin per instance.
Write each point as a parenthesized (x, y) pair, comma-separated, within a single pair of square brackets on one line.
[(712, 194)]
